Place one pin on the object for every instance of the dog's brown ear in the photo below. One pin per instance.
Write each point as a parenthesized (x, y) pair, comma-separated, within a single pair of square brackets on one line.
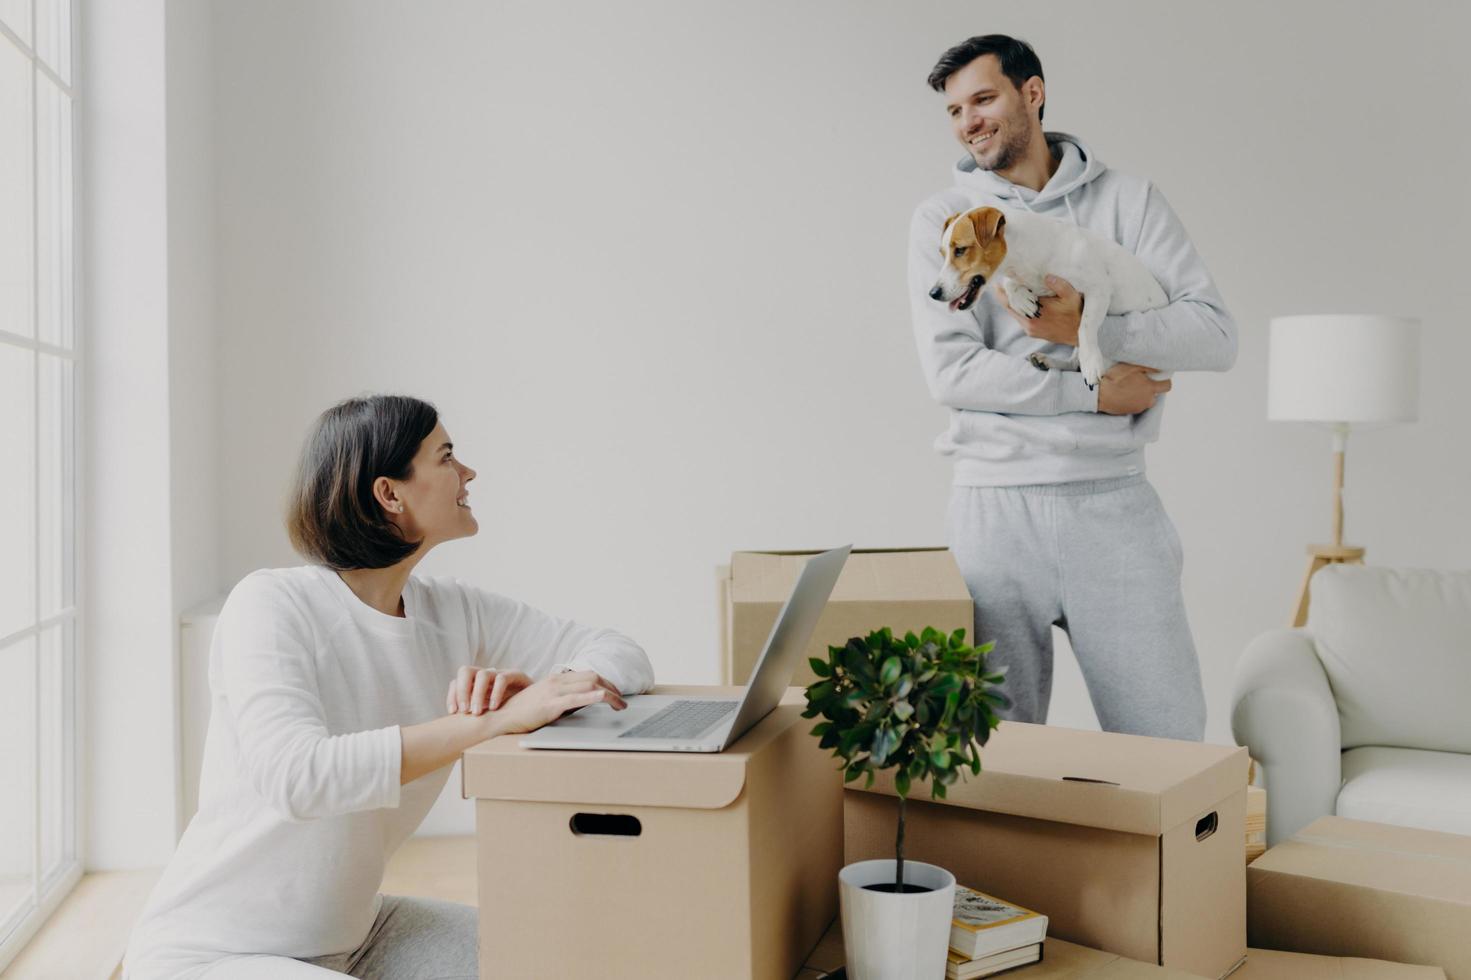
[(948, 222), (988, 223)]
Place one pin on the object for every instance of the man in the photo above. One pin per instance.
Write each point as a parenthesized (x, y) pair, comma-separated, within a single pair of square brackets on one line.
[(1051, 519)]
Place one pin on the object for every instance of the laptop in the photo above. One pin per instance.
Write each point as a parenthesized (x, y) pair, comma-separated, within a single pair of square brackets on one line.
[(672, 723)]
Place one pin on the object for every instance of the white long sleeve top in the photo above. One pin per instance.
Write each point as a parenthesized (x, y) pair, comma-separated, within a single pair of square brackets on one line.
[(300, 805)]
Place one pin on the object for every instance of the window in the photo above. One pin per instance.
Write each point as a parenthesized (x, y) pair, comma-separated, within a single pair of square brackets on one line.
[(39, 852)]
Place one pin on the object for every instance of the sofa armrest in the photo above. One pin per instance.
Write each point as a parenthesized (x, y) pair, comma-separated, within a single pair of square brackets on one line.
[(1283, 711)]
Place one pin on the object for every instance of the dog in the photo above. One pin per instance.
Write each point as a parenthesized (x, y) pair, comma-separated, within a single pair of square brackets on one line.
[(1019, 250)]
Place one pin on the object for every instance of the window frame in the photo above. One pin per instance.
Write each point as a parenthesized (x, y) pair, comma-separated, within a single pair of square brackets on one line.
[(51, 885)]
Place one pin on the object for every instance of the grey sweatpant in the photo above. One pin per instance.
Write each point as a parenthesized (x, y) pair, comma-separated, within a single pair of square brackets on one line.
[(1101, 560), (412, 939)]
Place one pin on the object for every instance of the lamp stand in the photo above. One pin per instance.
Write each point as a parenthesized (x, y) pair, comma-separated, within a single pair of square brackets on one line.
[(1337, 553)]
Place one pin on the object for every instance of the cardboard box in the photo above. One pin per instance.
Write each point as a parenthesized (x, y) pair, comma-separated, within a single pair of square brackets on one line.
[(653, 864), (901, 589), (1130, 845), (1270, 964), (1063, 960), (1353, 888)]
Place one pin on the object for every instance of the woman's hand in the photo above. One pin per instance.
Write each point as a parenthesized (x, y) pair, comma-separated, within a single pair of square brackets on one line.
[(547, 700), (475, 691)]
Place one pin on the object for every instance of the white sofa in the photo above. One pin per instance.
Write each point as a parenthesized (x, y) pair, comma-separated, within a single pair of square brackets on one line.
[(1365, 713)]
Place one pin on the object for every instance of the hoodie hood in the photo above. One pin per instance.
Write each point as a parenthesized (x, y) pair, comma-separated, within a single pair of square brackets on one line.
[(1076, 166)]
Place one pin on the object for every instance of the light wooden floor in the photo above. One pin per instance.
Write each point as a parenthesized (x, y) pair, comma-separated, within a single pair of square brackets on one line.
[(86, 937), (433, 867)]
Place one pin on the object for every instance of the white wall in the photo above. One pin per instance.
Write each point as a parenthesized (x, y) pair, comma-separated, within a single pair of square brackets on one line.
[(194, 369), (648, 260), (151, 463), (129, 626)]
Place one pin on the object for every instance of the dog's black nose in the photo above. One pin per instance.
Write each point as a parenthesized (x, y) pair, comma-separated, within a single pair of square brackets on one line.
[(936, 293)]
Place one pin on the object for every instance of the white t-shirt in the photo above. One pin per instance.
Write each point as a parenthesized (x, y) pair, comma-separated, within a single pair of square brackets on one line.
[(299, 799)]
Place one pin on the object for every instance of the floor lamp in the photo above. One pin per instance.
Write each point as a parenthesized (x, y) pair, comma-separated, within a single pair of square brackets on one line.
[(1340, 372)]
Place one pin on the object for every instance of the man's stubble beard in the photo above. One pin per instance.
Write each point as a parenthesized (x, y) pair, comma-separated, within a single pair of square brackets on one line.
[(1011, 151)]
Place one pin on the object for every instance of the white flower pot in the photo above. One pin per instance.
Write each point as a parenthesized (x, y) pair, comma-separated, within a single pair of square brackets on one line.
[(890, 936)]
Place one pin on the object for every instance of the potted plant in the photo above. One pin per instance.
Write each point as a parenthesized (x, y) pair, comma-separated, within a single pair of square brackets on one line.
[(922, 706)]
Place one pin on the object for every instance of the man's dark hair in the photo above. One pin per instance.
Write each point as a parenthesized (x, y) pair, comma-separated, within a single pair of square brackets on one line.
[(1018, 61), (333, 518)]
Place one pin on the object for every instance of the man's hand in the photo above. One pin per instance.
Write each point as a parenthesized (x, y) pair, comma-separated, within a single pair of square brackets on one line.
[(1057, 316), (1127, 389)]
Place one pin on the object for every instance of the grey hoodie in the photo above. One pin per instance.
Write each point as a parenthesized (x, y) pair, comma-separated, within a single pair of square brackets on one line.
[(1013, 424)]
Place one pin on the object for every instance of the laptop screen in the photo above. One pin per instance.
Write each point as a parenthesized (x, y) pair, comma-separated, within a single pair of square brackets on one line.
[(789, 636)]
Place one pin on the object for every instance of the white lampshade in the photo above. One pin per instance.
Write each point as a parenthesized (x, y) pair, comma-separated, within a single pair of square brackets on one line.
[(1344, 369)]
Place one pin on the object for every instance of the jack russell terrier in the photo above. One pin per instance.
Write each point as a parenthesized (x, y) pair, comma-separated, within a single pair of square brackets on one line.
[(1019, 250)]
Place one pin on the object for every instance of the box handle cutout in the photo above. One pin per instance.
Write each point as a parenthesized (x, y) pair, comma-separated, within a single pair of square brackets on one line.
[(1205, 826), (606, 825), (1085, 779)]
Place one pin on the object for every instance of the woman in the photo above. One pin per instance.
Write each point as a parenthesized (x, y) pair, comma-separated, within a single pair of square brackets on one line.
[(328, 735)]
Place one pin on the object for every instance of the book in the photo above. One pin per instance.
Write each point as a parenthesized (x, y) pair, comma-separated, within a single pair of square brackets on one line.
[(959, 968), (984, 924)]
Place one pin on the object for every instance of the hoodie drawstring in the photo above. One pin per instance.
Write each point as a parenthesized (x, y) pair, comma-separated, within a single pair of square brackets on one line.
[(1070, 212)]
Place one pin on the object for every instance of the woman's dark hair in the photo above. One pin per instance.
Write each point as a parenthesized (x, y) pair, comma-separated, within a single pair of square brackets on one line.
[(332, 517), (1018, 61)]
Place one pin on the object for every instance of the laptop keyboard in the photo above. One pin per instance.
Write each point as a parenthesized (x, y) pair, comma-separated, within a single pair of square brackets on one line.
[(682, 719)]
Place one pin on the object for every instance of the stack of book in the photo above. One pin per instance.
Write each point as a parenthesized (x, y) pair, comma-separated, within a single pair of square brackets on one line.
[(1256, 822), (988, 936)]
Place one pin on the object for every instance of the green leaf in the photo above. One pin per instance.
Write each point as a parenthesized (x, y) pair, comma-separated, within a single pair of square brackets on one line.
[(892, 669), (901, 783), (940, 759), (957, 639), (820, 667), (903, 710), (821, 691), (951, 700), (884, 742)]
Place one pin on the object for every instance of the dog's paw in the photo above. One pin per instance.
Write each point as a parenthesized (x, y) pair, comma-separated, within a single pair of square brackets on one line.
[(1023, 300), (1048, 363), (1091, 364)]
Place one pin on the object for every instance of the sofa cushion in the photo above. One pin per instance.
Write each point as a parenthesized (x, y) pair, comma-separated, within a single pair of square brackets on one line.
[(1396, 646), (1408, 787)]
